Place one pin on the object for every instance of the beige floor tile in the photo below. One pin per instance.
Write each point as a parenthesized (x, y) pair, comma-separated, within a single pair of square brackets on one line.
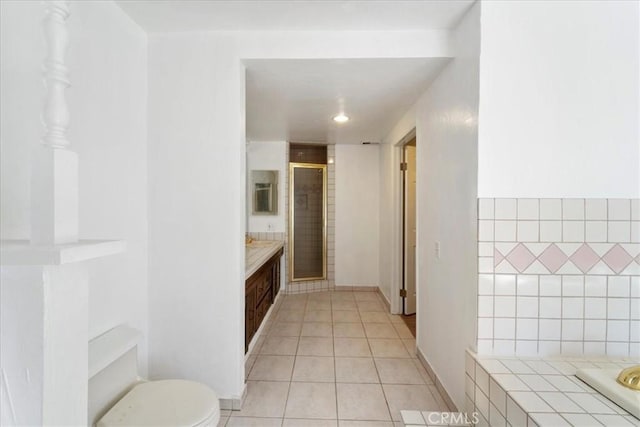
[(351, 347), (388, 347), (298, 298), (398, 371), (423, 372), (350, 423), (272, 368), (356, 370), (395, 318), (409, 397), (254, 422), (410, 345), (259, 340), (297, 422), (348, 330), (286, 329), (264, 399), (317, 316), (290, 316), (371, 306), (361, 402), (342, 296), (343, 305), (222, 422), (319, 296), (380, 330), (346, 316), (319, 305), (374, 317), (403, 331), (315, 346), (288, 304), (281, 346), (311, 400), (437, 397), (314, 369), (316, 329), (366, 296)]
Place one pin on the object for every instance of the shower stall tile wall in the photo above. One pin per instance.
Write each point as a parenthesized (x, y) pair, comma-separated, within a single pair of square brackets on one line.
[(559, 276)]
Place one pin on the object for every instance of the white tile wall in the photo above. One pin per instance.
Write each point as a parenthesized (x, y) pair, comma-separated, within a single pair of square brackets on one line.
[(559, 275)]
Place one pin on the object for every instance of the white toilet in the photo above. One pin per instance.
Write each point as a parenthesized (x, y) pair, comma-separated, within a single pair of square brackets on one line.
[(118, 397)]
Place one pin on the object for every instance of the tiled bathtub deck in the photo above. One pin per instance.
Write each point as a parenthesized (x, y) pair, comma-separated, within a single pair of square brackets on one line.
[(530, 392)]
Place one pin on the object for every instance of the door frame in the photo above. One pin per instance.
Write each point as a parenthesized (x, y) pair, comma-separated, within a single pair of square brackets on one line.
[(405, 231), (397, 229)]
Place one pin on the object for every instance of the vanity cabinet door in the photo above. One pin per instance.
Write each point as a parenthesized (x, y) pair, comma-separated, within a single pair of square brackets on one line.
[(275, 278), (264, 283), (250, 315)]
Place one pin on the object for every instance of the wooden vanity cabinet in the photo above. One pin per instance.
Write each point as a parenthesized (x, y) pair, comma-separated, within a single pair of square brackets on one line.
[(261, 290)]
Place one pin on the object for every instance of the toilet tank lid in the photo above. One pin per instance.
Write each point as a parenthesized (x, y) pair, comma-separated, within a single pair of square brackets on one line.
[(176, 403)]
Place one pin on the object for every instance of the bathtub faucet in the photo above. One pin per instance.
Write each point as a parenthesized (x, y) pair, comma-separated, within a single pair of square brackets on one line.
[(630, 377)]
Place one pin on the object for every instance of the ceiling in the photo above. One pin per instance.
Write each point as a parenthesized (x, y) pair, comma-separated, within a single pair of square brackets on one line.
[(319, 15), (295, 100)]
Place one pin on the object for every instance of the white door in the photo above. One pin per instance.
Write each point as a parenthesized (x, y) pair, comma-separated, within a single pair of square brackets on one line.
[(410, 228)]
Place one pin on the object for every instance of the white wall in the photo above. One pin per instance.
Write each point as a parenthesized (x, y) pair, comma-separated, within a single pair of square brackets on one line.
[(559, 89), (197, 186), (357, 214), (107, 102), (267, 156), (446, 127), (196, 211), (445, 118)]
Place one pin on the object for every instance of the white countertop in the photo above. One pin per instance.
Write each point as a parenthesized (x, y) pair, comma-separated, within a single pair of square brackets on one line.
[(257, 253)]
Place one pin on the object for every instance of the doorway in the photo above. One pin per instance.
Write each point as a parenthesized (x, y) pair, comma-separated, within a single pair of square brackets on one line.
[(409, 222)]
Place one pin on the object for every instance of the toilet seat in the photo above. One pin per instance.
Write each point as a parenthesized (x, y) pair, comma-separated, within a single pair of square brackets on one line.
[(177, 403)]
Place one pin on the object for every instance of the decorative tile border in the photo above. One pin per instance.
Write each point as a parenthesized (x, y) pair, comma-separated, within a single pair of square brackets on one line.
[(559, 276), (559, 236)]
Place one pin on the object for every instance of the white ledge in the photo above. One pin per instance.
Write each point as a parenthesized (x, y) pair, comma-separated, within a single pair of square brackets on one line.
[(21, 252), (106, 348)]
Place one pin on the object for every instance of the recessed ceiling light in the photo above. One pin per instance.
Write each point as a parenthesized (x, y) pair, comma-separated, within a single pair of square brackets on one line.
[(341, 118)]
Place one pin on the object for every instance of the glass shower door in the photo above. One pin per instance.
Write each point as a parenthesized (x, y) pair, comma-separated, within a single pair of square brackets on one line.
[(307, 221)]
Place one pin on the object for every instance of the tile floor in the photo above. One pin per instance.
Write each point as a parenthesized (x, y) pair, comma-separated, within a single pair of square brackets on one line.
[(333, 359)]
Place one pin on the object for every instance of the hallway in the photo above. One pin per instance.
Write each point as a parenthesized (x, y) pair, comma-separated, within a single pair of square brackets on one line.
[(333, 358)]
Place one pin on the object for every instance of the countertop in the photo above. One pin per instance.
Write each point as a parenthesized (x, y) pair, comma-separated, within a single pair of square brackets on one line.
[(257, 253)]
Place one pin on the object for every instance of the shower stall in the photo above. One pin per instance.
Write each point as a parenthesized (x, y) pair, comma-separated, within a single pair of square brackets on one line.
[(307, 212)]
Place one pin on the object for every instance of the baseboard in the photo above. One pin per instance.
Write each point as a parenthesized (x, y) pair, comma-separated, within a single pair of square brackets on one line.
[(384, 299), (443, 392), (234, 404)]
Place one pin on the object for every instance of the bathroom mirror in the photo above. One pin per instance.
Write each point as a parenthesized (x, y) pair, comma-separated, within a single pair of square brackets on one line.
[(265, 192)]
